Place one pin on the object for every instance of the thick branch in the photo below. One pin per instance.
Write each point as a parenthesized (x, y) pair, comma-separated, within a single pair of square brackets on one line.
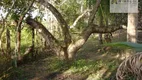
[(74, 47), (42, 30), (104, 29), (59, 17), (51, 40), (92, 15)]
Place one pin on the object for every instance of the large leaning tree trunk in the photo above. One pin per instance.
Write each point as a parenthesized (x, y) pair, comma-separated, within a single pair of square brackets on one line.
[(132, 27), (69, 48)]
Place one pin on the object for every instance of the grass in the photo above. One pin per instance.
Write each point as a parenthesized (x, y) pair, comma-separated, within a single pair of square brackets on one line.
[(93, 62)]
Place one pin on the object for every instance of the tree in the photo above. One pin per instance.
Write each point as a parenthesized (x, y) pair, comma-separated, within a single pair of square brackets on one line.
[(18, 32), (69, 48), (101, 23), (132, 27), (4, 26)]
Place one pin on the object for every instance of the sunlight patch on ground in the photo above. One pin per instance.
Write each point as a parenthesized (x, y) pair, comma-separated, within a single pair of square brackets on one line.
[(75, 69), (98, 75)]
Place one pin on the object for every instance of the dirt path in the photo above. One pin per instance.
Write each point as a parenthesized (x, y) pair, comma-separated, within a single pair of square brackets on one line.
[(41, 70), (91, 64)]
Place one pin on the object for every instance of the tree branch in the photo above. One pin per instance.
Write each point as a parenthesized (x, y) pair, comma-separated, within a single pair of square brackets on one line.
[(23, 15), (52, 42), (9, 11), (92, 15), (59, 17), (42, 30), (74, 47), (105, 29), (78, 18), (62, 2)]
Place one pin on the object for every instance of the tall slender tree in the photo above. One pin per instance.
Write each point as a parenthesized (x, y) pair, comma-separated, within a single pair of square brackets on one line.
[(132, 27)]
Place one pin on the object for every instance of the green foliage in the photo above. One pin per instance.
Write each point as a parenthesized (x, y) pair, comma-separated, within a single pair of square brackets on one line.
[(57, 65), (90, 2), (15, 17), (13, 74), (97, 66), (70, 10)]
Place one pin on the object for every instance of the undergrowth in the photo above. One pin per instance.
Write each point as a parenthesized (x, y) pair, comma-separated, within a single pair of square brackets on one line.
[(93, 62)]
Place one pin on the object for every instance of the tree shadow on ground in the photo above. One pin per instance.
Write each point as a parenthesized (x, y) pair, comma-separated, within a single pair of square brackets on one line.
[(93, 62), (108, 58)]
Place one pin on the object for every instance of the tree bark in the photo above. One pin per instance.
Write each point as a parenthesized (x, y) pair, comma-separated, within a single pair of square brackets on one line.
[(100, 39), (4, 21), (50, 39), (101, 23), (18, 35), (8, 40), (33, 41), (1, 32), (74, 47), (132, 27), (59, 17), (69, 49)]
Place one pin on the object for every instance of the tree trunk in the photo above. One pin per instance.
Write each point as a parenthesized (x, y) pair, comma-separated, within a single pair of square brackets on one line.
[(60, 49), (1, 32), (60, 19), (101, 23), (4, 22), (33, 37), (69, 49), (132, 27), (18, 42), (8, 40), (33, 41), (17, 54), (100, 38)]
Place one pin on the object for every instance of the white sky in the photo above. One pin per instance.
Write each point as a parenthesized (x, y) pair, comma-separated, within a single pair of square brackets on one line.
[(2, 13)]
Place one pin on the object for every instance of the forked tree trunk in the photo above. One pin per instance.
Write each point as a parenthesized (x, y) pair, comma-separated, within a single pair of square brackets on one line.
[(132, 27), (69, 49), (60, 49)]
